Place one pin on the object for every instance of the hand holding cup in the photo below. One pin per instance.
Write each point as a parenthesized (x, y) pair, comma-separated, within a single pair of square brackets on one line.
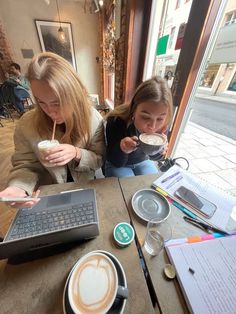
[(55, 154), (129, 144)]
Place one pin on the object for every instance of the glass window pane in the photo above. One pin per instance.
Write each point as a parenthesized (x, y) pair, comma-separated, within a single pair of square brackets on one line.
[(209, 75), (232, 85)]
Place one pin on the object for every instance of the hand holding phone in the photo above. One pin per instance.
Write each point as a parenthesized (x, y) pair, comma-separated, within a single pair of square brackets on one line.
[(16, 199), (199, 203)]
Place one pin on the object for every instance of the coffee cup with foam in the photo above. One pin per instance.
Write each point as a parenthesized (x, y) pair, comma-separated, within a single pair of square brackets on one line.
[(152, 144), (93, 286), (43, 147)]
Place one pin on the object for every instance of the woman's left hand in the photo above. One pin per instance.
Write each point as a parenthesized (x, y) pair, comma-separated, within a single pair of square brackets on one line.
[(165, 148), (62, 154)]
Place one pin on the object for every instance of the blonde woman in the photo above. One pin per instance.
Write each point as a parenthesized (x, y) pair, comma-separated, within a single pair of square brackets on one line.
[(61, 97), (150, 111)]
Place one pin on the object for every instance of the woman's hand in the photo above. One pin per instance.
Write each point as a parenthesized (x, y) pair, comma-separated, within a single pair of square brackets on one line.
[(129, 144), (165, 148), (13, 191), (62, 154)]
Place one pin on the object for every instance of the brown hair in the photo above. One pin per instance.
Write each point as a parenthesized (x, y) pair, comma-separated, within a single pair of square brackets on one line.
[(72, 96), (154, 89)]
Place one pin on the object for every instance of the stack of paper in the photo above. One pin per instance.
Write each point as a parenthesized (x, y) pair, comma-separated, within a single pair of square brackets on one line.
[(206, 272), (224, 217)]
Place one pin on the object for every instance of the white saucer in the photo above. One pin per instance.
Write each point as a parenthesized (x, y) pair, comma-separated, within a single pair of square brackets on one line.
[(149, 204), (118, 306)]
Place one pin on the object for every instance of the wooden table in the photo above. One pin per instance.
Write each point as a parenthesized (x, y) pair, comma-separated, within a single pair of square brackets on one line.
[(37, 286), (166, 292)]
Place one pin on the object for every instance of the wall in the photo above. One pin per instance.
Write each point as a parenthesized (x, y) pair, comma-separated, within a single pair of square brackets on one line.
[(5, 53), (18, 21)]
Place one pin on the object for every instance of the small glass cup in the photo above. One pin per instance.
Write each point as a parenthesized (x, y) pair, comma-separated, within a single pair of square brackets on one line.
[(156, 236)]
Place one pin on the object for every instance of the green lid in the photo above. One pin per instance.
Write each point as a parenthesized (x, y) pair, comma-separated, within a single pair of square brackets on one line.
[(123, 233)]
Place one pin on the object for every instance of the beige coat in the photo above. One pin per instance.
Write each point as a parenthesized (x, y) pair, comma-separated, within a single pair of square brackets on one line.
[(28, 172)]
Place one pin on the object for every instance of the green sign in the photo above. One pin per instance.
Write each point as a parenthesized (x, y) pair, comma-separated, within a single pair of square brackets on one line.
[(162, 45)]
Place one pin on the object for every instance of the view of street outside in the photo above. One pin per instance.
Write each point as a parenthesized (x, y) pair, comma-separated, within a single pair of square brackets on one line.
[(209, 137)]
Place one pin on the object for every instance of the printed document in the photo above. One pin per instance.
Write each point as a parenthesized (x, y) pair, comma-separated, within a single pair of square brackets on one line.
[(206, 272), (224, 217)]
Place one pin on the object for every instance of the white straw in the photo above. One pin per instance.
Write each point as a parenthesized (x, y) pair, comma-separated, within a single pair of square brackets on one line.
[(54, 129)]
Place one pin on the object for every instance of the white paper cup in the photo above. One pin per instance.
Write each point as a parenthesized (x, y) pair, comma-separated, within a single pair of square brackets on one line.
[(43, 147), (93, 285)]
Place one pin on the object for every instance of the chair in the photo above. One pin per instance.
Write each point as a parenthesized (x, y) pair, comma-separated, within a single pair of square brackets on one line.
[(7, 100), (28, 103)]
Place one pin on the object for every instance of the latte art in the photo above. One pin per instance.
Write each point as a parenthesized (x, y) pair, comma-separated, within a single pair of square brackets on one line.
[(94, 285), (152, 139), (151, 144)]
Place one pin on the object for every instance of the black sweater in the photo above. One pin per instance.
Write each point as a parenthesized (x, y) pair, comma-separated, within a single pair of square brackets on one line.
[(116, 130)]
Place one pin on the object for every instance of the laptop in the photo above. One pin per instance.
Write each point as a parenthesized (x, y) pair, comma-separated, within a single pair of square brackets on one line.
[(56, 219)]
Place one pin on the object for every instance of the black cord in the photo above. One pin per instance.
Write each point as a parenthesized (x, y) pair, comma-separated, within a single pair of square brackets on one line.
[(166, 163), (182, 158)]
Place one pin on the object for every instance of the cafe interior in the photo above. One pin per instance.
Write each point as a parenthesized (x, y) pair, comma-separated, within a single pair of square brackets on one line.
[(109, 44)]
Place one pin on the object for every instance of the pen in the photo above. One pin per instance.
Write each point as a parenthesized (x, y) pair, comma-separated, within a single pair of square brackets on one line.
[(159, 190), (176, 204), (204, 226), (184, 210), (170, 177), (173, 182)]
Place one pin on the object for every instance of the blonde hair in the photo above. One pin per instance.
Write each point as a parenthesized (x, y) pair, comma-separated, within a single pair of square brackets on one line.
[(154, 89), (72, 96)]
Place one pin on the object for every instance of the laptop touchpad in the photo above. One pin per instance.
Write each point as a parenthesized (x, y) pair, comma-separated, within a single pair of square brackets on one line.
[(61, 199)]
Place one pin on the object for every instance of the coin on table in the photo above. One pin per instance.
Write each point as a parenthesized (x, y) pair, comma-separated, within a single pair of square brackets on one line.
[(169, 271)]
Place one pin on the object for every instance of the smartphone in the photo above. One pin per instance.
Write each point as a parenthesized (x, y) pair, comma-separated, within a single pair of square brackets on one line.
[(200, 204), (16, 199)]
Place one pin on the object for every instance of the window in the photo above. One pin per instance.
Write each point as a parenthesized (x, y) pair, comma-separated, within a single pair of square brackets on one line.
[(209, 75), (178, 4), (232, 85), (230, 18), (171, 37)]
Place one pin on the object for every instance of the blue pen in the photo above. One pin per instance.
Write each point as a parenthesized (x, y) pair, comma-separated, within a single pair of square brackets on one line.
[(184, 210), (175, 181), (170, 177)]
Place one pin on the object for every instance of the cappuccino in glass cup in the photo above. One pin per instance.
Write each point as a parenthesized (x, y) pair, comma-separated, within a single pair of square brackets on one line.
[(43, 147), (93, 285)]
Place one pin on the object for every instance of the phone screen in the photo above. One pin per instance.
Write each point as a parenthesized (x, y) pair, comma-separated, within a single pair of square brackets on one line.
[(204, 206)]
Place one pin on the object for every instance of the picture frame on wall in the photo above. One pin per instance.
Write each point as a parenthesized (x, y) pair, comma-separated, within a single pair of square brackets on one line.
[(50, 41)]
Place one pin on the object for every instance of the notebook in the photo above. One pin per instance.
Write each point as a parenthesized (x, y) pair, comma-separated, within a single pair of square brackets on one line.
[(55, 219), (206, 272), (224, 217)]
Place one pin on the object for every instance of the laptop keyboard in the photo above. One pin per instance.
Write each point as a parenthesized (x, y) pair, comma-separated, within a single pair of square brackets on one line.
[(31, 223)]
